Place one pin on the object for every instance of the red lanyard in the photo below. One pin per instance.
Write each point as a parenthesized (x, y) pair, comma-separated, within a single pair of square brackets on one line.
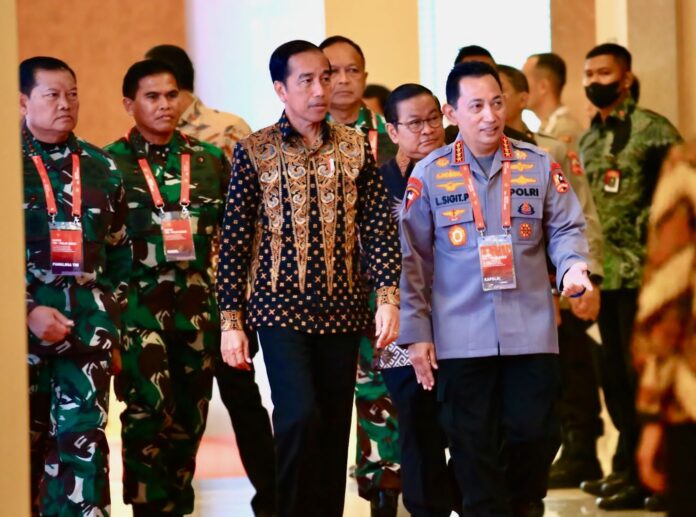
[(154, 189), (48, 190), (474, 198), (184, 198)]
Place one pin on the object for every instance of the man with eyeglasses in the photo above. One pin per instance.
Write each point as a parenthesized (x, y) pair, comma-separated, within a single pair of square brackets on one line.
[(377, 455)]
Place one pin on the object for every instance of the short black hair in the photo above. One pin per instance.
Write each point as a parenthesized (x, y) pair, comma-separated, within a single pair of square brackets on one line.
[(332, 40), (403, 93), (29, 67), (377, 91), (621, 54), (178, 59), (467, 69), (471, 50), (142, 69), (555, 66), (278, 64), (517, 78)]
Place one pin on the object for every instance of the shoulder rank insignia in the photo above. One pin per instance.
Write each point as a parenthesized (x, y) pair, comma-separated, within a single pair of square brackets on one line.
[(458, 151), (558, 178), (506, 148)]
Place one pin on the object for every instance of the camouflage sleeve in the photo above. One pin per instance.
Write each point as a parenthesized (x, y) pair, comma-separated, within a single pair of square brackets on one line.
[(119, 251), (379, 235), (236, 239)]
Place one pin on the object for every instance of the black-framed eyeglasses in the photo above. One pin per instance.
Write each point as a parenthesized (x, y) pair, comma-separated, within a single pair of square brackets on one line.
[(416, 126)]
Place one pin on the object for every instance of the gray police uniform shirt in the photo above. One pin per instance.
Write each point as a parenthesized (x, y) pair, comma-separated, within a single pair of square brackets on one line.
[(442, 300)]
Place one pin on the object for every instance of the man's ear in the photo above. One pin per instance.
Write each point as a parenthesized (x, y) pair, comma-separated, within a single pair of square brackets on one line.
[(281, 91), (628, 80), (393, 133), (449, 110), (23, 101), (128, 105)]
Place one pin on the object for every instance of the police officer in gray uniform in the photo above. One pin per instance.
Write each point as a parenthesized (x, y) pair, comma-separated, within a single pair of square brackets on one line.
[(479, 217)]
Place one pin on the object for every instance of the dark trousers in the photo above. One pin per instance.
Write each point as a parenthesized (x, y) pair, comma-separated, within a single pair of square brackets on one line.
[(617, 375), (428, 485), (312, 378), (680, 464), (579, 406), (503, 432), (252, 428)]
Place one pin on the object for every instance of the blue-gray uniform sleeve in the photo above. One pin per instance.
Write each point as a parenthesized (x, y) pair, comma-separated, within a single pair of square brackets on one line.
[(564, 223), (416, 225)]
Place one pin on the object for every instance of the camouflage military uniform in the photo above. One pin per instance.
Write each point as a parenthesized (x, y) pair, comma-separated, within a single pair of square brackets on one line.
[(377, 454), (172, 322), (69, 380), (215, 127), (622, 157)]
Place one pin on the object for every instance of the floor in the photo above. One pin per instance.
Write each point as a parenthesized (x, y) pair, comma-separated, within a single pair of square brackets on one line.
[(222, 489)]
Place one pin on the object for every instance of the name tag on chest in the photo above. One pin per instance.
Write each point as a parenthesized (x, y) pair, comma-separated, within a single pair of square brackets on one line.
[(177, 237), (497, 262), (66, 248)]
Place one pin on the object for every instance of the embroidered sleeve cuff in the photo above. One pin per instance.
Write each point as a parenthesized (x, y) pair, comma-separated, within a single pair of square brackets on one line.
[(388, 295), (231, 320)]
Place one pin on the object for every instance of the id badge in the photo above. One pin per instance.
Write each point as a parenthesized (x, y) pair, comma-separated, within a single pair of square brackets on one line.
[(66, 248), (497, 264), (612, 181), (177, 237)]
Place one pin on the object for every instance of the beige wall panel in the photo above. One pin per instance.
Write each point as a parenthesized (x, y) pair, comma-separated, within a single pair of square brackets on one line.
[(14, 446), (391, 49), (686, 44), (100, 39), (652, 40), (572, 36)]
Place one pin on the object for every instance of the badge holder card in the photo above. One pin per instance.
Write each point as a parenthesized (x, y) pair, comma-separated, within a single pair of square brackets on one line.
[(177, 237), (497, 263), (66, 248)]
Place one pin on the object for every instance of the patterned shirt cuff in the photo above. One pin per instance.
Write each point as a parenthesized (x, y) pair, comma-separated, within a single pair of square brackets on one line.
[(231, 320), (388, 295)]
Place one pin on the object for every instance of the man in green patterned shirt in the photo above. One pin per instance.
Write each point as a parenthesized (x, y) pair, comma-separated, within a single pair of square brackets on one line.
[(622, 153), (175, 189), (78, 259)]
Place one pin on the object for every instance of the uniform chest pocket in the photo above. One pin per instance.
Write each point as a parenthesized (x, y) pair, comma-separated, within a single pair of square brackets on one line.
[(36, 224), (527, 215), (139, 221), (454, 226)]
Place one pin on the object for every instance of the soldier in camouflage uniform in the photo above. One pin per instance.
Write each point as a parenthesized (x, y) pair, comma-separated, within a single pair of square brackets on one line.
[(172, 320), (73, 319), (622, 153), (377, 452)]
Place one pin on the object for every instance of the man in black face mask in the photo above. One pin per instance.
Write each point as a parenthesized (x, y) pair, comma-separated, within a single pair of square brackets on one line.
[(622, 153)]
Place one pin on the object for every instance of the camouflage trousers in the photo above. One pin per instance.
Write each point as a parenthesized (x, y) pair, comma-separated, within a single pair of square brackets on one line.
[(68, 407), (377, 454), (166, 383)]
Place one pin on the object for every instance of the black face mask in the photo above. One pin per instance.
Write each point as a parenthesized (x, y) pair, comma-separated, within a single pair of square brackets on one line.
[(603, 95)]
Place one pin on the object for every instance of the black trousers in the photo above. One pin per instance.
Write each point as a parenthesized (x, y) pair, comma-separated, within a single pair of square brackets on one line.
[(680, 465), (252, 428), (579, 407), (312, 380), (617, 375), (427, 484), (502, 428)]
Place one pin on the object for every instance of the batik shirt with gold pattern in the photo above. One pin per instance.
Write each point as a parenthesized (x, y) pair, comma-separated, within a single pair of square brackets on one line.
[(296, 222)]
